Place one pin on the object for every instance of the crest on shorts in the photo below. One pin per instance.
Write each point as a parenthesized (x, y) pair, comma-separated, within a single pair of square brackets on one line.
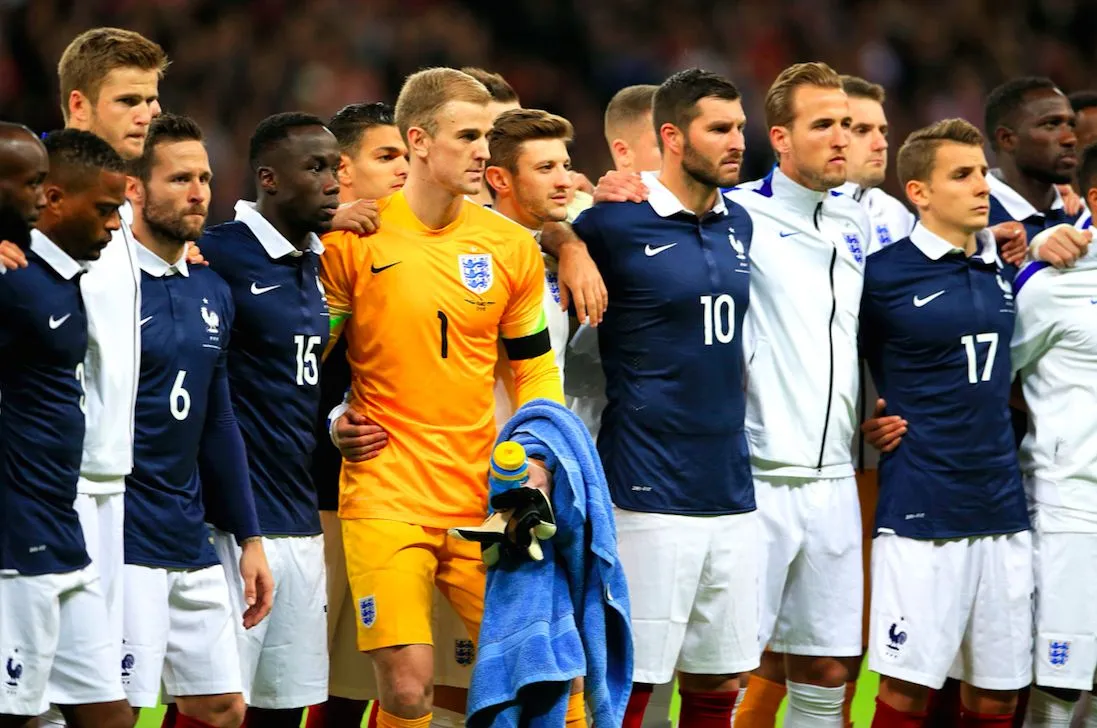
[(463, 652), (367, 611), (14, 668), (476, 272), (854, 244), (1058, 652), (127, 664)]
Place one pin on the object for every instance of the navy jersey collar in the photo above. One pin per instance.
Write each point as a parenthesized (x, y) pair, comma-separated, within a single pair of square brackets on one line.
[(59, 260), (272, 241), (1010, 199), (934, 247), (157, 267), (665, 203)]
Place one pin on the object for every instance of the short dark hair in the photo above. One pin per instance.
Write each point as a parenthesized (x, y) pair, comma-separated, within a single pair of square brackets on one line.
[(858, 88), (1082, 100), (628, 106), (275, 129), (74, 154), (918, 155), (1087, 169), (675, 101), (164, 129), (1007, 99), (352, 121), (496, 85)]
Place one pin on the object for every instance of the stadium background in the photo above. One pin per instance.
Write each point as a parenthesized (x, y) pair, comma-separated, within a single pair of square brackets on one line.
[(236, 61)]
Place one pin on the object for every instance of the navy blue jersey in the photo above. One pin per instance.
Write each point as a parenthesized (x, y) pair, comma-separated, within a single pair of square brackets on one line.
[(936, 329), (672, 437), (43, 341), (278, 337), (186, 317)]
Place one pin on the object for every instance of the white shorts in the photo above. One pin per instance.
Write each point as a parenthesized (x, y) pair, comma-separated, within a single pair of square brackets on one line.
[(1066, 608), (959, 608), (693, 591), (352, 676), (284, 658), (101, 518), (53, 644), (179, 633), (810, 566)]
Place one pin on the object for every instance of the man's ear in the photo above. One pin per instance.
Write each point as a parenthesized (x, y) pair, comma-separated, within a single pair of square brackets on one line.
[(499, 179)]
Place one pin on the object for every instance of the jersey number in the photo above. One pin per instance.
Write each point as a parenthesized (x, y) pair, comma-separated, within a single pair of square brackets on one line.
[(179, 399), (443, 324), (719, 318), (969, 343), (83, 388), (307, 370)]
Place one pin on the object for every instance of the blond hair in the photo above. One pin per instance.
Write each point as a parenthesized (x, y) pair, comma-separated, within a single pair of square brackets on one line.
[(779, 98), (858, 88), (514, 128), (918, 154), (425, 92), (93, 54), (628, 106)]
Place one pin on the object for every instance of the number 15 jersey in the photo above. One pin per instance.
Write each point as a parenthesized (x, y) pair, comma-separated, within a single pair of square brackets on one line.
[(427, 312)]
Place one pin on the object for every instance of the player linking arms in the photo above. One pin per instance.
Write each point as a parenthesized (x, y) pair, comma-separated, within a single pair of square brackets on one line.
[(424, 304)]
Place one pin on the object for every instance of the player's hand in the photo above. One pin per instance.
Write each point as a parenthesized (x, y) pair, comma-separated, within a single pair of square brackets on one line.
[(1072, 203), (523, 518), (1061, 245), (1012, 242), (12, 256), (884, 432), (617, 186), (194, 255), (581, 182), (258, 582), (361, 217), (358, 437), (581, 283)]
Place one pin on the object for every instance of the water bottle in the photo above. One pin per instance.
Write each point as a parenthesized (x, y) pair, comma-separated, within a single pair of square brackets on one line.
[(509, 467)]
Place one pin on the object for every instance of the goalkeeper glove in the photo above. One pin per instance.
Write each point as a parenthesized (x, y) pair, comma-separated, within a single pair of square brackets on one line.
[(523, 517)]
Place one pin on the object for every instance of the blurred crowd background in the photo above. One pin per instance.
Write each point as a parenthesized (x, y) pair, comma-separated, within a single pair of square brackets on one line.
[(235, 61)]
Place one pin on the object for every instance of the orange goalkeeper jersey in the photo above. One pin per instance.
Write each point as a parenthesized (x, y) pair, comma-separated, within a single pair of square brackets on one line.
[(424, 312)]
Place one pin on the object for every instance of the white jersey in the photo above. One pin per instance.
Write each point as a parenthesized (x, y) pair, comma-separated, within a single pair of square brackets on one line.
[(800, 334), (112, 297), (1054, 351), (891, 220)]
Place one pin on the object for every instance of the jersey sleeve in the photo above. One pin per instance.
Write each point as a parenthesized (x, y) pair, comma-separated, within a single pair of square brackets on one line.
[(1034, 331), (339, 274), (524, 329)]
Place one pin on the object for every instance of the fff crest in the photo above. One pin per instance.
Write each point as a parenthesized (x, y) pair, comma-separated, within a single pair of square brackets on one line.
[(476, 272)]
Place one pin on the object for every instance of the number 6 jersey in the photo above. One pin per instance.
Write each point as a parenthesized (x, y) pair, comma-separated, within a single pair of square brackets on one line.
[(935, 328), (278, 337), (425, 312)]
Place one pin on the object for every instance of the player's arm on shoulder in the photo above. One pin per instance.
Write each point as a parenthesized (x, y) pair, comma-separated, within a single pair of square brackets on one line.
[(523, 328), (1060, 245), (11, 256), (581, 283), (339, 265)]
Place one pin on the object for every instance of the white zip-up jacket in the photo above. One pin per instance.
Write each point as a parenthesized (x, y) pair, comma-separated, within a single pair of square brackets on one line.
[(112, 297), (800, 334)]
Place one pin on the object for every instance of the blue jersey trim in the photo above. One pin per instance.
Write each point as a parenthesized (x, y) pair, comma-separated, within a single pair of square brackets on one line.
[(1027, 272)]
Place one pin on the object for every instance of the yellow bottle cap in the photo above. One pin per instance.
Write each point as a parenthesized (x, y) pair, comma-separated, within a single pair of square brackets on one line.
[(509, 455)]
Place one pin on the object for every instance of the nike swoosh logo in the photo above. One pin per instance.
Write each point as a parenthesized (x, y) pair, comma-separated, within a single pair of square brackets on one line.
[(256, 290), (146, 320), (789, 234), (919, 302), (650, 251), (377, 269), (54, 323)]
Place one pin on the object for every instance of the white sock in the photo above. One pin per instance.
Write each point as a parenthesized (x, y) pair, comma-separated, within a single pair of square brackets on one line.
[(442, 718), (814, 706), (1047, 711)]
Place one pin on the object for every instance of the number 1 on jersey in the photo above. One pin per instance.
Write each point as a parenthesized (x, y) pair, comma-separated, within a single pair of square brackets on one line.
[(443, 324), (969, 342), (719, 318)]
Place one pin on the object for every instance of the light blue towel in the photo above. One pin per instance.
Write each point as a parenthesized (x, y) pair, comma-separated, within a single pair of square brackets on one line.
[(567, 616)]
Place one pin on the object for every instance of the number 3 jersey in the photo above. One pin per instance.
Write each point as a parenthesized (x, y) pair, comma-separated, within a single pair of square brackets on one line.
[(672, 438), (427, 312), (278, 336), (935, 328)]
